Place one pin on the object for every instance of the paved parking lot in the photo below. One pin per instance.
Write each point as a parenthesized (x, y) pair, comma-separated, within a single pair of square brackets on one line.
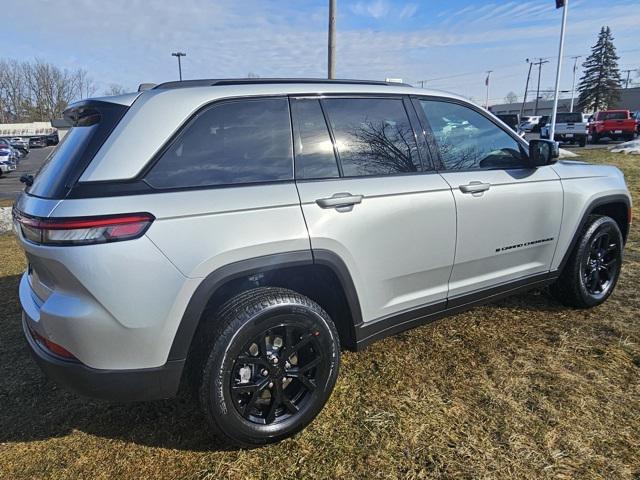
[(10, 185)]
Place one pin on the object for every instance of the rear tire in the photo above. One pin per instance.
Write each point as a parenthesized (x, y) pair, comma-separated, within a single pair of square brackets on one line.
[(593, 268), (595, 138), (583, 141), (271, 365)]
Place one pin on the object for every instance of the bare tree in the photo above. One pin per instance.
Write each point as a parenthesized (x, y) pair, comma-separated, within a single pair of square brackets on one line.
[(115, 89), (38, 90), (511, 97)]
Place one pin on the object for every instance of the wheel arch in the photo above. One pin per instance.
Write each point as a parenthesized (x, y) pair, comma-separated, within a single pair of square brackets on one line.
[(320, 275), (617, 207)]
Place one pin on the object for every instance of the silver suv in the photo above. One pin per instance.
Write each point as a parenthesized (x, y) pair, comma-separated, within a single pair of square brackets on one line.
[(237, 234)]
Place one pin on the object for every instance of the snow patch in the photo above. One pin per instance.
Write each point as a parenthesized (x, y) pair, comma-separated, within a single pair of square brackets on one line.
[(632, 147), (6, 223), (567, 153)]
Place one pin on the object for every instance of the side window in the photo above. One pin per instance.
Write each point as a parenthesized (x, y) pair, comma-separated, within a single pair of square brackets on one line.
[(245, 141), (467, 139), (314, 150), (373, 136)]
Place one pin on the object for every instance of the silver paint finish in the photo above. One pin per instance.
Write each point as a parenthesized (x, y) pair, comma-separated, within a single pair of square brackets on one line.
[(412, 240), (398, 243)]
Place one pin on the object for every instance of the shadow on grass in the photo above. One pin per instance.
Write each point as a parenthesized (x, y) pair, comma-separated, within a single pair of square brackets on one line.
[(34, 408)]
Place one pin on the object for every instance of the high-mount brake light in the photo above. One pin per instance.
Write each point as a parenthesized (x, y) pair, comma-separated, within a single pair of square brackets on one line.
[(83, 230)]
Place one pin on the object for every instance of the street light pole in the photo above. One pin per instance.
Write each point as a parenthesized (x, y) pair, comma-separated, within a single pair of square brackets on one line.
[(552, 130), (526, 89), (573, 84), (179, 54), (486, 82), (332, 40)]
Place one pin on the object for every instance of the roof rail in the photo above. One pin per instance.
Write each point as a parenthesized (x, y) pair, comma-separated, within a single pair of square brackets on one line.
[(254, 81)]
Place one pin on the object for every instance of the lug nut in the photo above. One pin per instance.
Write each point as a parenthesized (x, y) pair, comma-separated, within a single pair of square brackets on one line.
[(264, 372), (270, 384)]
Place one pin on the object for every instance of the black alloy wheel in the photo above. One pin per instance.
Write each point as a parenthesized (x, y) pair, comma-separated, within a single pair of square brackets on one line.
[(601, 263), (269, 364), (277, 372)]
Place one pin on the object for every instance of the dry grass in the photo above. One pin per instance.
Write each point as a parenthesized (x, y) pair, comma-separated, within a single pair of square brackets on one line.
[(521, 389)]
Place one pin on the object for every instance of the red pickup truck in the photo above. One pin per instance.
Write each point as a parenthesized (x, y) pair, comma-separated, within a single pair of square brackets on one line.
[(615, 124)]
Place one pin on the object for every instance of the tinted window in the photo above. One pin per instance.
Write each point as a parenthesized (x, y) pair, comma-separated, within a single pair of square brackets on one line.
[(245, 141), (373, 136), (568, 118), (314, 151), (467, 139), (93, 123)]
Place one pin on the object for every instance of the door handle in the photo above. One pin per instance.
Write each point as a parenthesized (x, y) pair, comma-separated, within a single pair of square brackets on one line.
[(475, 187), (341, 201)]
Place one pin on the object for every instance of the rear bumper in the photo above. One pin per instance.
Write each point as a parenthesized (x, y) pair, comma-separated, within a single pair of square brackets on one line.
[(116, 385)]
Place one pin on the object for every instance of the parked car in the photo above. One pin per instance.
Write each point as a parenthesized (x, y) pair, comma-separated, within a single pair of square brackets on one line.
[(237, 234), (8, 160), (615, 124), (636, 116), (527, 124), (544, 119), (37, 142), (569, 129), (513, 120), (52, 138), (20, 144)]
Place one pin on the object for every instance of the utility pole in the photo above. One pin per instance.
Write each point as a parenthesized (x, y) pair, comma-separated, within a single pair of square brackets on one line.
[(486, 82), (573, 84), (179, 54), (540, 62), (526, 88), (332, 40), (565, 8), (628, 72)]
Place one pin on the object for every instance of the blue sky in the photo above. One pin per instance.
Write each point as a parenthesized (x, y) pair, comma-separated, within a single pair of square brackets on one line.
[(450, 43)]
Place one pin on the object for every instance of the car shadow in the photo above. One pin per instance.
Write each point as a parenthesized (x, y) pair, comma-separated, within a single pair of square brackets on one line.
[(34, 408)]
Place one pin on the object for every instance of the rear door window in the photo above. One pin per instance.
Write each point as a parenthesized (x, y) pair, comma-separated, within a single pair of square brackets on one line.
[(236, 142), (373, 136)]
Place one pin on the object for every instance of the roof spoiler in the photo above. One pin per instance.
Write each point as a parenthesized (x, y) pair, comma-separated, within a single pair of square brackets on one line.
[(145, 86)]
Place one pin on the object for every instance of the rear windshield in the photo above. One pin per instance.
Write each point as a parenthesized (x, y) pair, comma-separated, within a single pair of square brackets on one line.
[(569, 118), (612, 116), (93, 122)]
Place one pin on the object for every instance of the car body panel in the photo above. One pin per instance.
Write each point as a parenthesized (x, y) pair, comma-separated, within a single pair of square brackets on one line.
[(398, 243)]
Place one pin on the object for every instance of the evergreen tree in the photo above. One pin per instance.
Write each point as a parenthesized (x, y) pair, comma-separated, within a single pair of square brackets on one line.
[(599, 86)]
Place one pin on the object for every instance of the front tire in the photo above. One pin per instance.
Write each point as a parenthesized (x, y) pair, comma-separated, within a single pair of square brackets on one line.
[(593, 267), (271, 366)]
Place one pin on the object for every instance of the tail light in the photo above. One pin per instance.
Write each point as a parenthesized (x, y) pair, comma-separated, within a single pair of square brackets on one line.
[(52, 346), (83, 230)]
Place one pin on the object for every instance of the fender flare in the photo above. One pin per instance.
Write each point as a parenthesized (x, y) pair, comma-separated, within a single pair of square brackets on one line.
[(618, 198), (244, 268)]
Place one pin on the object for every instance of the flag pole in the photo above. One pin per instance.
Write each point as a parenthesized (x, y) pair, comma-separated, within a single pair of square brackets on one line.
[(565, 7)]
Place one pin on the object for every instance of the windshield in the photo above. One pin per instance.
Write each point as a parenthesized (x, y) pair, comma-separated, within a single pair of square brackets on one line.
[(612, 116), (569, 118)]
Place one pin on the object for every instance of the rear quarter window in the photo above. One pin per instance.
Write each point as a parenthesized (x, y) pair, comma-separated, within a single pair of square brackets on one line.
[(235, 142), (93, 123)]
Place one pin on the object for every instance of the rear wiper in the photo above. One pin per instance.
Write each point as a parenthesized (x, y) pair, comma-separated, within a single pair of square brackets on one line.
[(27, 179)]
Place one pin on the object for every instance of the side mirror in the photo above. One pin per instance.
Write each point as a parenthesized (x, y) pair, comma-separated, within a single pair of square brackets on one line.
[(543, 152)]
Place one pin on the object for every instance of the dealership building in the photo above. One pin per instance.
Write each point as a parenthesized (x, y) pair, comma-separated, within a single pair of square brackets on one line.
[(629, 100)]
